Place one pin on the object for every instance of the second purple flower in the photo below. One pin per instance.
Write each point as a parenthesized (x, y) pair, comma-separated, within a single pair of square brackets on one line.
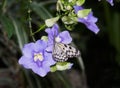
[(89, 20)]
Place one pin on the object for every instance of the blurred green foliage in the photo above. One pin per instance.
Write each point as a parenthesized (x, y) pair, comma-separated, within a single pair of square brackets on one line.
[(15, 32)]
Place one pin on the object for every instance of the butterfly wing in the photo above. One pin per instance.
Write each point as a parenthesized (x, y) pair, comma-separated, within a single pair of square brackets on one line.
[(61, 52), (72, 52)]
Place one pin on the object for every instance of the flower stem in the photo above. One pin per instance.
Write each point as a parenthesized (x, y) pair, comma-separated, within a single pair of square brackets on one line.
[(29, 19), (41, 28), (81, 63)]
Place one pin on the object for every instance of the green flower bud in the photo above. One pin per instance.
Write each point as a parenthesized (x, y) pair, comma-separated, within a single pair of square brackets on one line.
[(45, 38), (80, 2), (51, 22), (63, 66), (83, 13)]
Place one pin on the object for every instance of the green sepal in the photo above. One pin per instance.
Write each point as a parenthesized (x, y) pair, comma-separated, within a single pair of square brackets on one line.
[(80, 2), (63, 66), (50, 22), (69, 20), (53, 68), (83, 13), (60, 66)]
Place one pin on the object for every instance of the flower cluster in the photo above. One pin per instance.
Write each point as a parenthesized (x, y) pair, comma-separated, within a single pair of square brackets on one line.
[(74, 13), (38, 56)]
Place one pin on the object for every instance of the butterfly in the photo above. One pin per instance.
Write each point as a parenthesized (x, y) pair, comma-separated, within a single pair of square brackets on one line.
[(61, 52)]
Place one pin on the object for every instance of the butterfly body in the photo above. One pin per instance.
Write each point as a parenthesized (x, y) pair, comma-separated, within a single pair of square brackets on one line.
[(61, 52)]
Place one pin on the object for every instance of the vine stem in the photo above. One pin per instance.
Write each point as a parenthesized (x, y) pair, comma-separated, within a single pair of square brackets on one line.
[(30, 19), (81, 64)]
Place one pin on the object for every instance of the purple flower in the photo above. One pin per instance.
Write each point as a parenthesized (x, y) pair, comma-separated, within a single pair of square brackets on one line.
[(111, 2), (36, 58), (55, 36), (89, 20)]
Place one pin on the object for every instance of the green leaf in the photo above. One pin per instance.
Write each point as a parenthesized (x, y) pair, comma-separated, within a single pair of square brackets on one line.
[(83, 13), (114, 34), (8, 25), (20, 33), (41, 10)]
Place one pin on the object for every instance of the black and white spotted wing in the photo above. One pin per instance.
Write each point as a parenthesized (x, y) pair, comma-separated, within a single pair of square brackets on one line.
[(61, 52)]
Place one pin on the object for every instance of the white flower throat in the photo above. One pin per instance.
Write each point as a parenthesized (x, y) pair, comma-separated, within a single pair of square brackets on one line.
[(38, 56), (57, 39)]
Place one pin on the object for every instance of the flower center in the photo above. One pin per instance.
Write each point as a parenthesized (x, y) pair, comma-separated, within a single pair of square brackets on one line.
[(38, 56), (58, 39)]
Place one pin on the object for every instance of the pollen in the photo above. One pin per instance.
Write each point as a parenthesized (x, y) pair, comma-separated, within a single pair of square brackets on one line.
[(38, 56)]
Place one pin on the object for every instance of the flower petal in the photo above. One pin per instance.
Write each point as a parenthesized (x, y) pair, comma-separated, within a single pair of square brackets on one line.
[(93, 27), (49, 59), (49, 48), (40, 45), (40, 71), (91, 18), (28, 50), (77, 8), (52, 32), (111, 2), (26, 62), (65, 36), (90, 25)]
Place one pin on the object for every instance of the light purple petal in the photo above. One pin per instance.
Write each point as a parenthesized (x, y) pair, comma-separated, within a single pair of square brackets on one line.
[(52, 31), (40, 45), (77, 8), (40, 71), (46, 68), (93, 27), (49, 48), (111, 2), (33, 66), (49, 59), (70, 65), (26, 62), (90, 25), (50, 36), (55, 29), (91, 18), (48, 62), (65, 36), (28, 50)]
